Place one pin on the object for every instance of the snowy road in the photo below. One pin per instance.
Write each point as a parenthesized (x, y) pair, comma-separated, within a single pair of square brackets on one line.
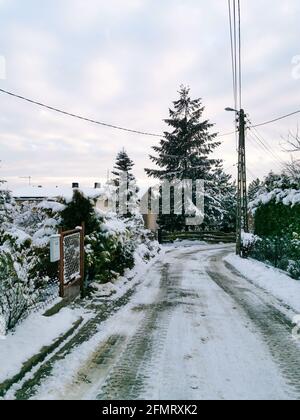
[(193, 329)]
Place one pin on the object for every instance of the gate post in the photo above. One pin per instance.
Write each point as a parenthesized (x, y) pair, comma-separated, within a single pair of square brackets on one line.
[(82, 255), (160, 236), (61, 266)]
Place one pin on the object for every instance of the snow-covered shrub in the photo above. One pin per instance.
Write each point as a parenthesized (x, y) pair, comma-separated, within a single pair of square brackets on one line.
[(118, 245), (41, 221), (294, 263), (27, 277), (282, 252), (25, 269), (113, 244), (277, 216), (275, 207), (17, 289), (294, 269), (109, 250), (80, 209), (249, 241)]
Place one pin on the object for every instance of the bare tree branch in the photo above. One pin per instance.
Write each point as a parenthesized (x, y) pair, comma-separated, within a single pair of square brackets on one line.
[(292, 142), (292, 169)]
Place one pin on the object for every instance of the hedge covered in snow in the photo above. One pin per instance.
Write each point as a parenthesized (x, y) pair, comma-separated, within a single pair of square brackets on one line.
[(276, 211), (26, 274)]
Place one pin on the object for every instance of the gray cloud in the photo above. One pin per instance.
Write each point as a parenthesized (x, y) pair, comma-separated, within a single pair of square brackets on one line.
[(122, 62)]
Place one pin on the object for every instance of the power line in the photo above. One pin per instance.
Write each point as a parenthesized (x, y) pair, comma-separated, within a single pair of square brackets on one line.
[(230, 167), (240, 54), (265, 144), (116, 127), (234, 11), (40, 104), (264, 149), (277, 119), (227, 134), (235, 52), (265, 123), (251, 173), (232, 48), (60, 111), (268, 146)]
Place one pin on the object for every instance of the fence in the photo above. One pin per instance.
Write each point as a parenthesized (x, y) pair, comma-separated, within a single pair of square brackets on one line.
[(206, 236)]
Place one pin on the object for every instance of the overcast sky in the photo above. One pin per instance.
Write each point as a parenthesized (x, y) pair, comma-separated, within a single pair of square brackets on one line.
[(122, 62)]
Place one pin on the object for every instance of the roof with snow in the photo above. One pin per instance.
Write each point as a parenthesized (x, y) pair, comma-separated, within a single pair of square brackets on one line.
[(40, 193)]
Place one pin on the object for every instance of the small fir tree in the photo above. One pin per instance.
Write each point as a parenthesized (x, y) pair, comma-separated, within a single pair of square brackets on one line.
[(124, 165), (80, 209)]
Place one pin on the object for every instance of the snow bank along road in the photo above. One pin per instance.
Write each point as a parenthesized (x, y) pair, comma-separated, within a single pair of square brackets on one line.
[(193, 328)]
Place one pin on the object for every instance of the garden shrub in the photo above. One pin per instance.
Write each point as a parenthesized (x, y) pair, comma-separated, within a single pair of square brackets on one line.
[(27, 277)]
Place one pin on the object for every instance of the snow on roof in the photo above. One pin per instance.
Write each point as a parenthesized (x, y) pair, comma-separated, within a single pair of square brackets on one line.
[(32, 192)]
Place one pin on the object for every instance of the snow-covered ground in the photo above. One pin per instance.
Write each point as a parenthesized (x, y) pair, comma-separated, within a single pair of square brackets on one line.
[(192, 330), (37, 331), (30, 337), (274, 281)]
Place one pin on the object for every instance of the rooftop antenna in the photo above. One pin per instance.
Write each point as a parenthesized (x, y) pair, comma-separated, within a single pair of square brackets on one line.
[(27, 177)]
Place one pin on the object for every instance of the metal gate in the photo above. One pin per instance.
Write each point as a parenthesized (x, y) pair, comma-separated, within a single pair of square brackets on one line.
[(71, 266)]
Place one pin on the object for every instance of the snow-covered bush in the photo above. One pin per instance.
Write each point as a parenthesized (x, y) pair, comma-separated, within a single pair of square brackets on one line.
[(25, 271), (17, 283), (27, 277), (17, 291), (113, 244), (118, 245), (282, 252), (249, 241), (294, 269), (109, 250), (275, 207), (294, 264)]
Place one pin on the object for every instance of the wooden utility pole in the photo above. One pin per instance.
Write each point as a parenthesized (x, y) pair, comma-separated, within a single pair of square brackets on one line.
[(242, 200)]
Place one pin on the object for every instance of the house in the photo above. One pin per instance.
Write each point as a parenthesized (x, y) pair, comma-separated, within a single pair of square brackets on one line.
[(150, 219), (100, 195), (37, 194)]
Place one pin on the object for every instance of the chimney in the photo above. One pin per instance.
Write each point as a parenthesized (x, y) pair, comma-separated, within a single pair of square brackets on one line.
[(97, 185), (75, 185)]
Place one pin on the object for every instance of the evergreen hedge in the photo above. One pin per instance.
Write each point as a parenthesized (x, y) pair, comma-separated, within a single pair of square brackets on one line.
[(278, 226), (277, 219)]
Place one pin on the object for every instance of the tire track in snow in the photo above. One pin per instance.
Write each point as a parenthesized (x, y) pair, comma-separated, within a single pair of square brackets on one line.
[(129, 379), (128, 376), (272, 325)]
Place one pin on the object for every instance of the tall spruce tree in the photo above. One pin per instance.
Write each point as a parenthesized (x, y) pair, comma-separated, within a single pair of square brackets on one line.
[(185, 153)]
